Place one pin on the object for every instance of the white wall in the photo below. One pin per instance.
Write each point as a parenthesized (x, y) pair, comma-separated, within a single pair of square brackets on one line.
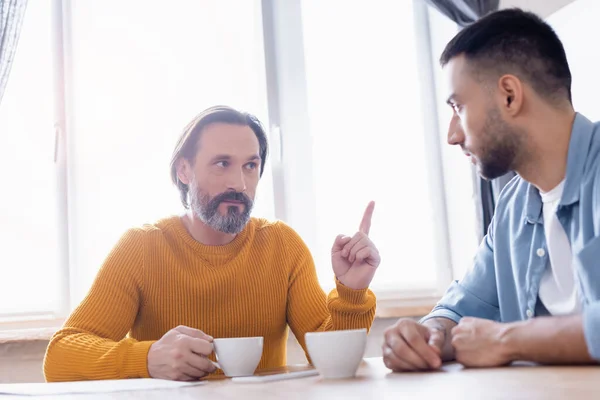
[(575, 24), (541, 7)]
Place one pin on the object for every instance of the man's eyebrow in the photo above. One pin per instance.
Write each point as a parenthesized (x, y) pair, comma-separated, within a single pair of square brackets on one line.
[(450, 99), (221, 157)]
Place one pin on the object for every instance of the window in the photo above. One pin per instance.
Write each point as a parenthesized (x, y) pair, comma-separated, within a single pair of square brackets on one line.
[(371, 132), (28, 205), (460, 177), (366, 122), (134, 79)]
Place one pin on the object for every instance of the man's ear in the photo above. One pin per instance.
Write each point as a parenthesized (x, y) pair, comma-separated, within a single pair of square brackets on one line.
[(511, 91), (184, 171)]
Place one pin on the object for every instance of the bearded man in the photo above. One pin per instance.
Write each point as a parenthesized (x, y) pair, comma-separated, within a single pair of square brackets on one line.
[(168, 288), (533, 292)]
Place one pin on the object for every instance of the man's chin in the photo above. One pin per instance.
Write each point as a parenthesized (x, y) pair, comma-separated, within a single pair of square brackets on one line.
[(490, 174), (229, 224)]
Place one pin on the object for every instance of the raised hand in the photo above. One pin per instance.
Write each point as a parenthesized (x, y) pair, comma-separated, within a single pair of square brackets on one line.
[(355, 259)]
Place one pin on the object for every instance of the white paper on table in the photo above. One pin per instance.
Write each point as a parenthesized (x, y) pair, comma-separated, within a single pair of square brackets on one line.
[(104, 386), (275, 377)]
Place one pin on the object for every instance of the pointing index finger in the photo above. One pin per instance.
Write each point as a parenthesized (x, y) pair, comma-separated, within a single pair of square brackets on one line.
[(365, 224)]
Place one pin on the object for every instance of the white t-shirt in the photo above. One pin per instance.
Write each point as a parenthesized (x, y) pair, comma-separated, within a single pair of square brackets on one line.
[(558, 291)]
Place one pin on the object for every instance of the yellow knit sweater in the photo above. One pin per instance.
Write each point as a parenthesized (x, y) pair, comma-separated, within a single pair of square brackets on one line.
[(158, 277)]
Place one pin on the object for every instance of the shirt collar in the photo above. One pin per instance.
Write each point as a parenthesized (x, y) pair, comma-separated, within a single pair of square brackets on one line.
[(579, 144)]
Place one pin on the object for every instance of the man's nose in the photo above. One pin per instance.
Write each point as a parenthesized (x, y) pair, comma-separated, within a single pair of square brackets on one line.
[(237, 181), (455, 132)]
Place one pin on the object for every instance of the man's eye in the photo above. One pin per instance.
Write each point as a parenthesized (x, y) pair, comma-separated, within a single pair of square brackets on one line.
[(222, 164), (251, 165)]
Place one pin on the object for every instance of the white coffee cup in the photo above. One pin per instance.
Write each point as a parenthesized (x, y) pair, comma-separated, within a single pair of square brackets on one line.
[(337, 354), (238, 356)]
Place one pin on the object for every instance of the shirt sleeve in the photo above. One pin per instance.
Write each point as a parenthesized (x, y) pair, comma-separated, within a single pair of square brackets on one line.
[(476, 294), (587, 260)]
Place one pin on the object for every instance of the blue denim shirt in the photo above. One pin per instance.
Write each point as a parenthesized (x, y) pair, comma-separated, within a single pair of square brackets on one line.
[(504, 281)]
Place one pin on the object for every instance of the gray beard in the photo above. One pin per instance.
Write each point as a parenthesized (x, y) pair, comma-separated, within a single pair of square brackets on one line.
[(207, 210)]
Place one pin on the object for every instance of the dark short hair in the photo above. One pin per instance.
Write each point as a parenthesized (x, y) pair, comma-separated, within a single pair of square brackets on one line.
[(516, 42), (187, 146)]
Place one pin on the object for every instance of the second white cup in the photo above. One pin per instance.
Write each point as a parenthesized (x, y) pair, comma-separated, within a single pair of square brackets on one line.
[(337, 354)]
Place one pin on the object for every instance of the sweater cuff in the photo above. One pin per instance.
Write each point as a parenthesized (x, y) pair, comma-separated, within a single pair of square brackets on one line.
[(135, 364), (353, 296)]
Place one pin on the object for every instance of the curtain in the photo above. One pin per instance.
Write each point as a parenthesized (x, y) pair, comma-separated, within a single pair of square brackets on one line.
[(11, 18), (463, 13)]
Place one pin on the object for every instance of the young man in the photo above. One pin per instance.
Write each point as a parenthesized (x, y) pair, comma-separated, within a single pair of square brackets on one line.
[(510, 90), (168, 288)]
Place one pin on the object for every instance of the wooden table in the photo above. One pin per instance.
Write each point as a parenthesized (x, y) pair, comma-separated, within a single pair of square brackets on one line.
[(375, 381)]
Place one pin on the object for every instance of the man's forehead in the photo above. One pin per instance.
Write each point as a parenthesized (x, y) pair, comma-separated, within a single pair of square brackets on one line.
[(456, 76), (229, 138)]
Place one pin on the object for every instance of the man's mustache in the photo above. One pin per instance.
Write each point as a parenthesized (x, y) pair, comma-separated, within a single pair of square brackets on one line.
[(232, 196)]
